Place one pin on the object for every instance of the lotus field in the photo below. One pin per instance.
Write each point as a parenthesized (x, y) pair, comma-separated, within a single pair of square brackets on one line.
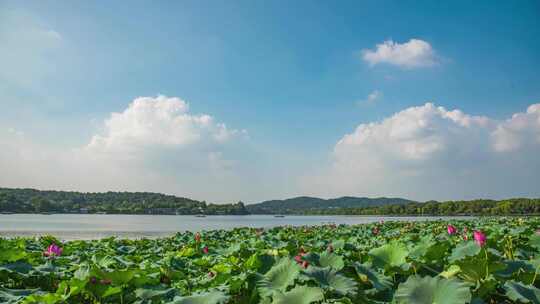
[(487, 260)]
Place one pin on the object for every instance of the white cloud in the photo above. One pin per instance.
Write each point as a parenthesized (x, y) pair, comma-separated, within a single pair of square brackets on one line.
[(372, 98), (158, 122), (429, 152), (519, 132), (415, 53)]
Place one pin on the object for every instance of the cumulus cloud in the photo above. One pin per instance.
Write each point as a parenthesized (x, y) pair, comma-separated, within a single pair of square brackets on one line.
[(519, 132), (415, 53), (428, 152), (416, 133), (159, 122)]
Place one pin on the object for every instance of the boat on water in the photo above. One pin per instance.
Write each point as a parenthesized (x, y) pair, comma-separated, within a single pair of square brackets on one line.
[(279, 215), (200, 215)]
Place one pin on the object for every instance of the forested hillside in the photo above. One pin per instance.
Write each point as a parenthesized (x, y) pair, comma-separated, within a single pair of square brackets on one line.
[(514, 206), (306, 204), (31, 200)]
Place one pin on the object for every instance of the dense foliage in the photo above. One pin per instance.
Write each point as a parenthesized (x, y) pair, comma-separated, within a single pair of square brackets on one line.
[(306, 204), (515, 206), (31, 200), (490, 260)]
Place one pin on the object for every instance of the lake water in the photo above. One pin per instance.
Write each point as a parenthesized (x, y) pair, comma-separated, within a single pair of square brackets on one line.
[(93, 226)]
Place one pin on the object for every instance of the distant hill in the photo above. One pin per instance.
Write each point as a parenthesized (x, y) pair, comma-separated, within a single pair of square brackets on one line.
[(302, 204)]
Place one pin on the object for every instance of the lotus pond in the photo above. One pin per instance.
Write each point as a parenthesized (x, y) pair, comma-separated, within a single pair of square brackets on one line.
[(489, 260)]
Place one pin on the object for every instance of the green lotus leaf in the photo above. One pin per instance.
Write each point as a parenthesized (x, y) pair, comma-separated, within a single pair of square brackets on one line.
[(103, 261), (279, 277), (486, 287), (325, 259), (332, 260), (450, 272), (153, 292), (299, 295), (12, 251), (339, 244), (513, 267), (49, 298), (328, 279), (377, 279), (187, 252), (111, 290), (390, 255), (14, 295), (83, 272), (253, 262), (229, 250), (71, 287), (519, 292), (118, 277), (474, 269), (212, 297), (534, 240), (19, 267), (464, 250), (429, 290), (126, 249), (11, 254), (419, 249), (46, 268)]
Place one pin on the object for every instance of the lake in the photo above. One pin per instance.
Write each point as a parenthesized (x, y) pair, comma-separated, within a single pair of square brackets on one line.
[(94, 226)]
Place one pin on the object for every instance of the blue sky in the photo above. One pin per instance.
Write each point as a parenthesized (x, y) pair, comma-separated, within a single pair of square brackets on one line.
[(293, 79)]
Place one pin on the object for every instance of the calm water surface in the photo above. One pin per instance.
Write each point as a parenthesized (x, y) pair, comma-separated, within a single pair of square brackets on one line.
[(93, 226)]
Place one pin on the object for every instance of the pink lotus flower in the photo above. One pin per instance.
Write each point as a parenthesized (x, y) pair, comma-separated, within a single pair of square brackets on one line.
[(197, 237), (465, 237), (205, 250), (305, 264), (298, 257), (479, 238), (53, 250), (451, 229), (375, 230)]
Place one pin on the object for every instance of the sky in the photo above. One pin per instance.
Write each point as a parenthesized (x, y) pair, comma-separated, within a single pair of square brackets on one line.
[(254, 100)]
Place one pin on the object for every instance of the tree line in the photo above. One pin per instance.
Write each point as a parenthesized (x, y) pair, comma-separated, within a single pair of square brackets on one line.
[(37, 201), (514, 206)]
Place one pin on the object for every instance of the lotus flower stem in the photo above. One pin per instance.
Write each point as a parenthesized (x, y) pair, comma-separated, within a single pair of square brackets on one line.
[(430, 269), (535, 274), (487, 263)]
